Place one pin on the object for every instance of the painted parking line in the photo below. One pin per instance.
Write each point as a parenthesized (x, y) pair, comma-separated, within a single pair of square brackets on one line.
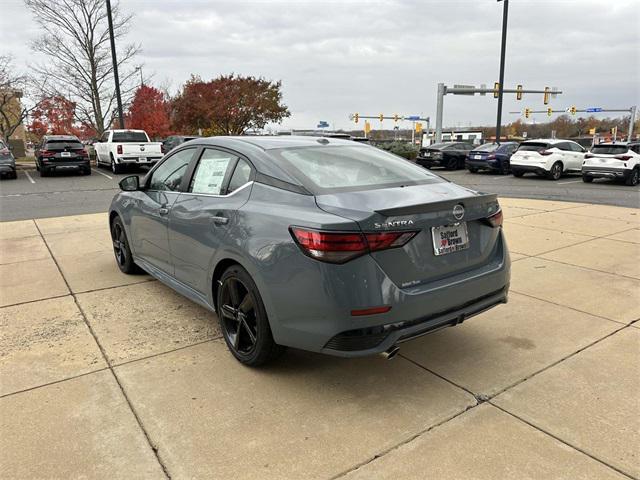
[(572, 181), (29, 177), (102, 173)]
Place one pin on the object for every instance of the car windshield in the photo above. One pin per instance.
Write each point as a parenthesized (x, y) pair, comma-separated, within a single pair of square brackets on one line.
[(609, 149), (487, 147), (60, 144), (348, 168), (132, 137), (532, 147)]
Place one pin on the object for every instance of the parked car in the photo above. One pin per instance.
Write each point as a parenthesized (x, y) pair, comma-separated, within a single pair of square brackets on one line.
[(491, 156), (320, 244), (7, 162), (617, 161), (61, 153), (173, 141), (450, 155), (119, 149), (547, 157)]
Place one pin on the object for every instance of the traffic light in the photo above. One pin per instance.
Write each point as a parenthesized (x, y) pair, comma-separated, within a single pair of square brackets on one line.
[(547, 94), (396, 117), (381, 117), (519, 92), (496, 89), (549, 111), (527, 112), (614, 131), (418, 127), (356, 117), (573, 110)]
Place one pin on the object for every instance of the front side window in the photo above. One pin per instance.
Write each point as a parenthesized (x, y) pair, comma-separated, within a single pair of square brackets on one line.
[(169, 174), (576, 147), (211, 170)]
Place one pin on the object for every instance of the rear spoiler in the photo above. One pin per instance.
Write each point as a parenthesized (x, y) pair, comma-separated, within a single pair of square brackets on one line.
[(469, 203)]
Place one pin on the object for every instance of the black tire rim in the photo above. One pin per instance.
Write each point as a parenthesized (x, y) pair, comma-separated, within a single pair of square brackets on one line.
[(113, 166), (238, 315), (556, 171), (634, 178), (119, 244)]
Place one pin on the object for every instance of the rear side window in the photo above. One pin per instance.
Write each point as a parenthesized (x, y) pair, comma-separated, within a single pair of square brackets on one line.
[(533, 147), (348, 168), (609, 149), (564, 146), (130, 137), (55, 145), (487, 147), (210, 172), (241, 175)]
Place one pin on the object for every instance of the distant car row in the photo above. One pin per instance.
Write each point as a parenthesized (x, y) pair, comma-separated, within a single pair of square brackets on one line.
[(549, 158)]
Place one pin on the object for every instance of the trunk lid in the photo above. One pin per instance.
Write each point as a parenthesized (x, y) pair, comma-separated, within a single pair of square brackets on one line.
[(420, 208), (141, 149)]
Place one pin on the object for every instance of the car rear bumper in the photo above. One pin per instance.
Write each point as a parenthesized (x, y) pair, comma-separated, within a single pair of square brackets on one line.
[(429, 162), (7, 168), (66, 164), (483, 164), (606, 172), (540, 170), (324, 323), (150, 160)]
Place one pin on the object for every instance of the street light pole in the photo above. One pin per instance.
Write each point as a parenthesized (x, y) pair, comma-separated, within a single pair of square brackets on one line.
[(505, 12), (115, 65)]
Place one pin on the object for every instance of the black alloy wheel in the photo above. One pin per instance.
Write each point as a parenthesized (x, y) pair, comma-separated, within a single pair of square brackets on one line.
[(634, 178), (121, 249), (243, 319)]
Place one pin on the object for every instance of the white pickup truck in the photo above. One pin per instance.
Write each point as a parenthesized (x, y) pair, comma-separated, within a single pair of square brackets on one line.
[(119, 148)]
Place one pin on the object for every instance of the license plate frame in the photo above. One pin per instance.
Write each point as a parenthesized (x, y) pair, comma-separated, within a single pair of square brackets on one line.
[(442, 245), (142, 159), (65, 154), (477, 157)]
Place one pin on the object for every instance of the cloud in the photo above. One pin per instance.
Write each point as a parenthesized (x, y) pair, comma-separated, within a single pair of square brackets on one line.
[(339, 57)]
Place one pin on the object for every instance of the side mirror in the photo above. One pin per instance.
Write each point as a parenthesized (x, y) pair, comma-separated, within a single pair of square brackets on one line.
[(130, 183)]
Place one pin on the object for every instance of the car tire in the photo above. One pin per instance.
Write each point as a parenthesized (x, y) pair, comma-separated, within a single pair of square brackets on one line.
[(86, 171), (243, 319), (517, 173), (504, 168), (473, 169), (115, 168), (555, 173), (121, 248), (587, 179), (13, 175), (633, 179), (44, 172)]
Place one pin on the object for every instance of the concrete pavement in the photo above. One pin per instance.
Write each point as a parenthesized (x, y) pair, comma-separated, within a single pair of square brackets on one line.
[(104, 375)]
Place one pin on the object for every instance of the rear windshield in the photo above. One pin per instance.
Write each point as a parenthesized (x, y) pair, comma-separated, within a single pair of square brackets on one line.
[(609, 149), (133, 137), (63, 145), (349, 168), (439, 145), (487, 147), (532, 147)]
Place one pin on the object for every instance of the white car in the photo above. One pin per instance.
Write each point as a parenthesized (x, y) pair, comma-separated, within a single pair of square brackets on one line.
[(119, 148), (547, 157), (618, 161)]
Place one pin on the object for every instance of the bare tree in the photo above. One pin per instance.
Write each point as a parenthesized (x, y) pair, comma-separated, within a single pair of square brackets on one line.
[(79, 66), (14, 88)]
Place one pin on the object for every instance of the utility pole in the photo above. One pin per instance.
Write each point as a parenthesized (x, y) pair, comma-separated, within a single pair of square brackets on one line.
[(505, 12), (439, 108), (632, 120), (115, 65)]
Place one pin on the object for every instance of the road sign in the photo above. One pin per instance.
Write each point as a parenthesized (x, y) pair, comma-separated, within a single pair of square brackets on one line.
[(593, 109), (465, 86), (413, 117), (323, 124)]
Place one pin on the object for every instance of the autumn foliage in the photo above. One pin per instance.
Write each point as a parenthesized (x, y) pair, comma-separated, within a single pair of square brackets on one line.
[(228, 105), (149, 111), (54, 116)]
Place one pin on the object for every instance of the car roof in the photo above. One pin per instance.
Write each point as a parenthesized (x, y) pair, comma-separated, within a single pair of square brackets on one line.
[(273, 142), (548, 140)]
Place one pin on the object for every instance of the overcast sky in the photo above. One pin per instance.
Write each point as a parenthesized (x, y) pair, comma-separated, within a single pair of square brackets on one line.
[(340, 57)]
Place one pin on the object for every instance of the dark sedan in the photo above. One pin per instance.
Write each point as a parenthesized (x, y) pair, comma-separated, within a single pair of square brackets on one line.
[(61, 153), (450, 155), (7, 162), (491, 156)]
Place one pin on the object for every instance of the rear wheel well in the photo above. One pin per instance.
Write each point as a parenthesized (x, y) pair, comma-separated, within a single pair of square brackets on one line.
[(221, 267), (112, 216)]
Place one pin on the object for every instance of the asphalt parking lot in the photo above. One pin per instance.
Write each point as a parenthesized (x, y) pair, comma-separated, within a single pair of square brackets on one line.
[(31, 196), (104, 375)]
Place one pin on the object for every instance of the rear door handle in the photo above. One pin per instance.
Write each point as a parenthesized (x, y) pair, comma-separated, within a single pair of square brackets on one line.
[(163, 211), (220, 220)]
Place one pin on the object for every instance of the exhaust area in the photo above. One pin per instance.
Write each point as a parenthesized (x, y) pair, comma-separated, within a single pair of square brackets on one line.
[(390, 352)]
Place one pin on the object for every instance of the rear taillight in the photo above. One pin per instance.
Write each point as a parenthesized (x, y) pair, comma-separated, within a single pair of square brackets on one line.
[(589, 155), (624, 158), (119, 149), (495, 220), (47, 153), (340, 247), (84, 152), (545, 152), (491, 157)]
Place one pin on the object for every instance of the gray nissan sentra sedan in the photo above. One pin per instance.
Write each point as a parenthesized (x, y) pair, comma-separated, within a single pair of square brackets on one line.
[(320, 244)]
